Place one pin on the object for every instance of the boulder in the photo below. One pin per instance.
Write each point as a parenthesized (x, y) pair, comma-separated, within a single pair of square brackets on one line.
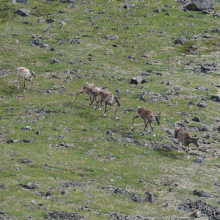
[(180, 40), (200, 5), (23, 12), (26, 2)]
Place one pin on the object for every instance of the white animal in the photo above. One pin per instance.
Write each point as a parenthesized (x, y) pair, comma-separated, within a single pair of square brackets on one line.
[(109, 99), (148, 117), (185, 138), (25, 74)]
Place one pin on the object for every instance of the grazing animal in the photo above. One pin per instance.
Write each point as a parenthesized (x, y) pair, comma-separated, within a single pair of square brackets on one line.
[(109, 99), (148, 117), (91, 90), (25, 74), (185, 138)]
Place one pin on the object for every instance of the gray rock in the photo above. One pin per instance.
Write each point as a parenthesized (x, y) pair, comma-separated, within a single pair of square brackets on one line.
[(196, 119), (25, 161), (37, 42), (27, 128), (198, 160), (201, 193), (29, 22), (129, 6), (74, 41), (216, 30), (136, 198), (31, 186), (26, 2), (23, 12), (180, 40), (112, 37), (138, 80), (41, 21), (202, 88), (215, 98), (202, 104), (200, 5)]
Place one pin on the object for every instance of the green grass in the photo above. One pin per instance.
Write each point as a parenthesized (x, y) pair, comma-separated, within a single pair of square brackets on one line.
[(88, 158)]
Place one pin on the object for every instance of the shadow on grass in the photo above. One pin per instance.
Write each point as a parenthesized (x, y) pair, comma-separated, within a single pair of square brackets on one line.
[(173, 154)]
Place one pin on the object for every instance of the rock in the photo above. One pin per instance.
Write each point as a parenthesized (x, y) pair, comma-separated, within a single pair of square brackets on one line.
[(201, 193), (202, 88), (27, 128), (138, 80), (121, 191), (150, 197), (49, 193), (215, 98), (136, 198), (216, 30), (112, 37), (28, 22), (180, 40), (41, 21), (118, 91), (198, 160), (25, 161), (129, 6), (36, 42), (196, 119), (64, 144), (31, 186), (55, 215), (200, 5), (74, 41), (202, 104), (197, 214), (23, 12), (26, 2)]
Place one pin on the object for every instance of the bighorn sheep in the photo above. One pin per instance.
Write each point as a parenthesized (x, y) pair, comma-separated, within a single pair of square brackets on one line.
[(91, 90), (148, 117), (184, 137), (109, 99), (25, 74)]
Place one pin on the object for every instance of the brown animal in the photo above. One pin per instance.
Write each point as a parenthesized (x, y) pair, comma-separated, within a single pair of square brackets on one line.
[(148, 117), (91, 90), (25, 74), (109, 99), (185, 138)]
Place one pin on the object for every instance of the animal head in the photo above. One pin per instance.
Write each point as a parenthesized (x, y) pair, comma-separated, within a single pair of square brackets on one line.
[(33, 73), (195, 141), (157, 117), (117, 100)]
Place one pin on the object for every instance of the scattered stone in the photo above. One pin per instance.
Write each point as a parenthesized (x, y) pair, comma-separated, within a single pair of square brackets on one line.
[(27, 128), (41, 21), (200, 5), (121, 191), (150, 197), (29, 22), (201, 193), (199, 160), (215, 98), (196, 119), (23, 12), (136, 198), (202, 104), (129, 6), (26, 2), (37, 42), (25, 161), (138, 80), (180, 40), (112, 37), (74, 41), (31, 186), (56, 215)]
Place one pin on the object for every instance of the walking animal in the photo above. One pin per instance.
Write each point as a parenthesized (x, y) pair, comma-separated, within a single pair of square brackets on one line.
[(109, 99), (185, 138), (91, 90), (148, 117), (25, 74)]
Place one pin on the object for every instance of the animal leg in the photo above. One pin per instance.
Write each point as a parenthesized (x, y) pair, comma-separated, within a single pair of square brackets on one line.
[(81, 91), (18, 81), (146, 125), (31, 84), (103, 114), (152, 129), (24, 83), (116, 118), (91, 100), (136, 116)]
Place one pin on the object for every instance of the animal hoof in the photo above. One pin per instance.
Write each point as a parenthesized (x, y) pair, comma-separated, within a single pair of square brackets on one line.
[(100, 109), (188, 156), (117, 118), (132, 128), (154, 135), (103, 115)]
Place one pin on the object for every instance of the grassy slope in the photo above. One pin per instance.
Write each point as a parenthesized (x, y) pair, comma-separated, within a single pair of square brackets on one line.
[(138, 169)]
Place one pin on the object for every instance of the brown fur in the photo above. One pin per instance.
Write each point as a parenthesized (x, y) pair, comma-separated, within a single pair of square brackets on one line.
[(91, 90), (109, 99), (148, 117), (185, 138)]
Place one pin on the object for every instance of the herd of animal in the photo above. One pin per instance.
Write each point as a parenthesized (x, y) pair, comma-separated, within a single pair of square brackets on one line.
[(102, 95)]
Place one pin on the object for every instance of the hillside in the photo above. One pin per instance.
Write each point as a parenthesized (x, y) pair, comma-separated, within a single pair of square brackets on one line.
[(63, 160)]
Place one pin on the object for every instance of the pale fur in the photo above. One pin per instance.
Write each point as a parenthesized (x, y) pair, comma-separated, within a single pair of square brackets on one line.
[(109, 99), (25, 74), (185, 138), (148, 117)]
